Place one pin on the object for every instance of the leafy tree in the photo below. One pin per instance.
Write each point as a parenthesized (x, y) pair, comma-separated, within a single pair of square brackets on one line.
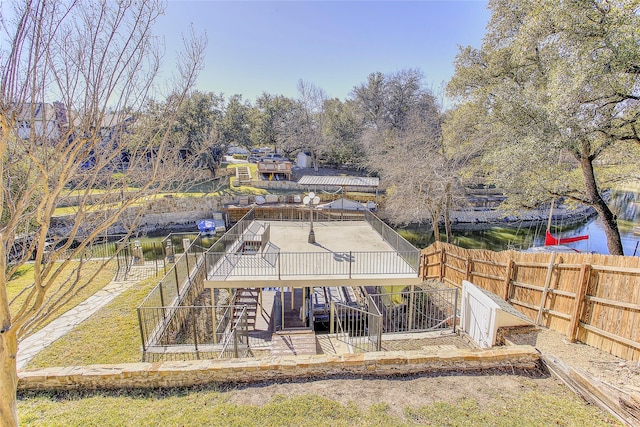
[(235, 127), (95, 57), (343, 129), (196, 125), (386, 100), (554, 94), (270, 119)]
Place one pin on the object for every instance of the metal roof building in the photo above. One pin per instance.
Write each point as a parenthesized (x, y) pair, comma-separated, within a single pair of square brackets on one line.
[(340, 181)]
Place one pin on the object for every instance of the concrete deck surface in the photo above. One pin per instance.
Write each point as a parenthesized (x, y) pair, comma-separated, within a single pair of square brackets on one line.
[(338, 236)]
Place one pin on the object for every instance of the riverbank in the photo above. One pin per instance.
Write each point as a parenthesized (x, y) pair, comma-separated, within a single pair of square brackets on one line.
[(472, 220)]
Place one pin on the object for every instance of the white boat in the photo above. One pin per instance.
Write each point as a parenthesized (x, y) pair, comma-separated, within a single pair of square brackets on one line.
[(207, 227), (212, 226)]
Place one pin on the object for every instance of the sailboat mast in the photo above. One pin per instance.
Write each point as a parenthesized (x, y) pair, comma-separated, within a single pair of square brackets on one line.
[(550, 216)]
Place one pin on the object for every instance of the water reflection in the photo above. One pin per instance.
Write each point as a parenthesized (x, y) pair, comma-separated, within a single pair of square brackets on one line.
[(626, 205)]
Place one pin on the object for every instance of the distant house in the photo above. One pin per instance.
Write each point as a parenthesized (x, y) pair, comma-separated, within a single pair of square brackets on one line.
[(41, 121), (109, 132)]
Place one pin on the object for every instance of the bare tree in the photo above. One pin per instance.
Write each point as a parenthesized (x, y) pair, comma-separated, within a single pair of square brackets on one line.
[(93, 57), (311, 118), (404, 144)]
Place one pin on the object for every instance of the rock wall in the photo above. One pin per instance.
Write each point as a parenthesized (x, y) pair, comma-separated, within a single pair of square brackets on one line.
[(195, 372)]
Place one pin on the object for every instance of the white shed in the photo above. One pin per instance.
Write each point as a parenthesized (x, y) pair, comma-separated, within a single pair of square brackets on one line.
[(482, 313), (303, 160)]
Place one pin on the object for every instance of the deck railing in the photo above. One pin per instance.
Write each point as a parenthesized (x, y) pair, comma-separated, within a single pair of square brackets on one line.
[(396, 241), (417, 311), (180, 286), (286, 264)]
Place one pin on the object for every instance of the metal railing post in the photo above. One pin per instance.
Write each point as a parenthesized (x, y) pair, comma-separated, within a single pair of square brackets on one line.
[(235, 343), (332, 312), (195, 334), (350, 263), (455, 310), (186, 259), (175, 270), (144, 346), (162, 304), (379, 332), (412, 307)]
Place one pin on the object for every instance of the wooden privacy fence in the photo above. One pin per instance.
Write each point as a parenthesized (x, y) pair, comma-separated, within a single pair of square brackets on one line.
[(591, 298)]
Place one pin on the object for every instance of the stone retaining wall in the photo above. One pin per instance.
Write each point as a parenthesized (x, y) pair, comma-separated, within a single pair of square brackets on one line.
[(195, 372), (163, 213)]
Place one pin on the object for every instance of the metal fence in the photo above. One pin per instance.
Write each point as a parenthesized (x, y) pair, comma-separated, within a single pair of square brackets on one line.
[(360, 328), (180, 286), (190, 329), (418, 310)]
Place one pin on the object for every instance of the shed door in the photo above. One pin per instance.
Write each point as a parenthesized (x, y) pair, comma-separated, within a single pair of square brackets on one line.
[(477, 321)]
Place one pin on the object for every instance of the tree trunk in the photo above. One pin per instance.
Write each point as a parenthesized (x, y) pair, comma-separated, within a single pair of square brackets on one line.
[(609, 221), (8, 349), (447, 208), (435, 219), (8, 378)]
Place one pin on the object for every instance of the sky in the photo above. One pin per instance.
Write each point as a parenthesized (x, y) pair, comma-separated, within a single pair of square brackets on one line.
[(268, 46)]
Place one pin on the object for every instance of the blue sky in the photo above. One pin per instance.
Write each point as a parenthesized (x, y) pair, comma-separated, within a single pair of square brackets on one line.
[(269, 46)]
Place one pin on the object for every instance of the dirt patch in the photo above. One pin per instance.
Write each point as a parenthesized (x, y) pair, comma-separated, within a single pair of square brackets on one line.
[(604, 366)]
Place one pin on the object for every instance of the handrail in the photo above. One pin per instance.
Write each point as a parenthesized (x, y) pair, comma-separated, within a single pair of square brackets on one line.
[(232, 338)]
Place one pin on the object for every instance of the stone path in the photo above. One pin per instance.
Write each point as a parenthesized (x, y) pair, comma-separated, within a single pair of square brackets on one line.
[(33, 344)]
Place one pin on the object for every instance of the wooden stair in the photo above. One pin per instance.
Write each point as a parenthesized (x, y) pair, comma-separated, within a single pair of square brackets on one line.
[(248, 297), (243, 173)]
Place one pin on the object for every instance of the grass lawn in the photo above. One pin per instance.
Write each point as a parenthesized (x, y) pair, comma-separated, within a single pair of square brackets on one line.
[(24, 278), (213, 407), (111, 335)]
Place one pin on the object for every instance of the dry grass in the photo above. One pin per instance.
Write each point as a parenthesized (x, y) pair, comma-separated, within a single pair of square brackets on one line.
[(24, 278), (213, 407), (111, 335)]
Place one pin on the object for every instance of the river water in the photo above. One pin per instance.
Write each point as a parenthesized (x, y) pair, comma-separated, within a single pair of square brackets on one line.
[(520, 236)]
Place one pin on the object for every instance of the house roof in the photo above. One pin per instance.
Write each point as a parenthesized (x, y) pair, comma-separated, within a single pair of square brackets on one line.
[(38, 111), (344, 204), (340, 181)]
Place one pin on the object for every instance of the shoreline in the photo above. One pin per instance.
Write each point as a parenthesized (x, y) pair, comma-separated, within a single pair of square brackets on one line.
[(480, 219)]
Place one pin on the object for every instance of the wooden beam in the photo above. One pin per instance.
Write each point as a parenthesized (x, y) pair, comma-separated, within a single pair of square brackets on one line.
[(578, 306), (611, 336), (507, 280), (608, 398), (613, 303), (547, 282)]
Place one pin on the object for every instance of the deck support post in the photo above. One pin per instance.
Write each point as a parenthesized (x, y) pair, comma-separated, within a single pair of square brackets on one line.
[(214, 315)]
